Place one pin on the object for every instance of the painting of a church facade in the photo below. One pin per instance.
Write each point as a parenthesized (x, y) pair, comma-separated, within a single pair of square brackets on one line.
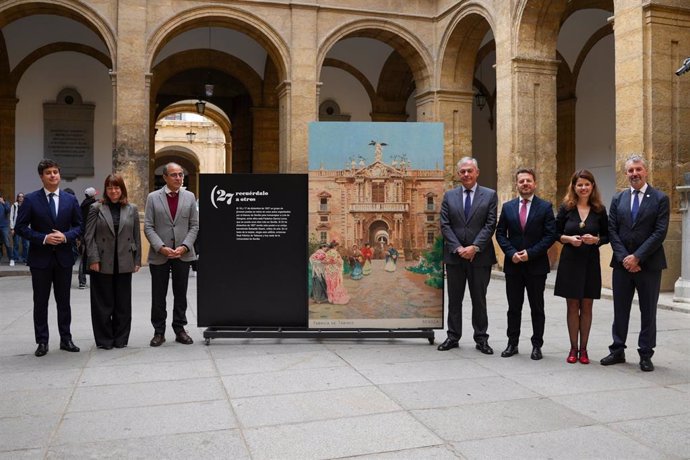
[(375, 192)]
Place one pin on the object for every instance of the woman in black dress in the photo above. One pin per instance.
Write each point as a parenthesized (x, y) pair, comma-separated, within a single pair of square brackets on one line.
[(581, 226)]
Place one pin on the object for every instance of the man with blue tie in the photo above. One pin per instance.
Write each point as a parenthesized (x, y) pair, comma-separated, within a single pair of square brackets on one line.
[(468, 221), (638, 223), (525, 232), (51, 221)]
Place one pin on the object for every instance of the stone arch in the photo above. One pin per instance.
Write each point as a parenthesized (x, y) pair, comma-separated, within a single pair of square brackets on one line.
[(359, 76), (222, 16), (412, 50), (460, 46), (396, 84), (538, 25), (58, 47), (217, 60), (77, 11)]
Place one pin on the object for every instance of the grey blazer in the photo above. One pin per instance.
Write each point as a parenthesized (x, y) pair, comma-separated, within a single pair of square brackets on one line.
[(161, 230), (100, 238), (476, 230)]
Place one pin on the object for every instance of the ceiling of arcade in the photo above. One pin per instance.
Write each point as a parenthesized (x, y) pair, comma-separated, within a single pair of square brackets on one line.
[(244, 61)]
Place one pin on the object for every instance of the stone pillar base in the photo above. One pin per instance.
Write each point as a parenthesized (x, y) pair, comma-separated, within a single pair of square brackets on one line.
[(681, 291)]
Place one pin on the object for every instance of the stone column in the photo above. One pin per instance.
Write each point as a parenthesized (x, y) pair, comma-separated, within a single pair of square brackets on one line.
[(455, 112), (8, 107), (131, 107), (298, 101), (534, 124), (652, 107), (681, 292), (265, 125)]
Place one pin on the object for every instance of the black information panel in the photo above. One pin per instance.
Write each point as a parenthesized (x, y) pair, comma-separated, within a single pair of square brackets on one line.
[(253, 250)]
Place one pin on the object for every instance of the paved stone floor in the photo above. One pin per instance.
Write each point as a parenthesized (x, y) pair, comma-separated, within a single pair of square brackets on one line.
[(305, 399)]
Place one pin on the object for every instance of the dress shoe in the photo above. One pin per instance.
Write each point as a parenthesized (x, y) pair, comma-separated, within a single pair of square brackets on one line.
[(105, 347), (120, 345), (41, 350), (536, 354), (584, 358), (485, 348), (447, 345), (68, 346), (183, 337), (646, 364), (509, 351), (613, 358), (157, 340), (572, 356)]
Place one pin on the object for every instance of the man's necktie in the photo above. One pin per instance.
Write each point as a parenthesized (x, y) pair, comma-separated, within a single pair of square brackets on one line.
[(523, 213), (51, 205), (635, 205), (468, 203)]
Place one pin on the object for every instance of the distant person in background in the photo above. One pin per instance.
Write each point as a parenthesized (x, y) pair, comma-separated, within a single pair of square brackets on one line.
[(114, 253), (581, 226), (51, 221), (5, 229), (90, 198), (17, 255)]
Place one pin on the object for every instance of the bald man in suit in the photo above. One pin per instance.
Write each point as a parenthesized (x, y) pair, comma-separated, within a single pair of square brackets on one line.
[(468, 221)]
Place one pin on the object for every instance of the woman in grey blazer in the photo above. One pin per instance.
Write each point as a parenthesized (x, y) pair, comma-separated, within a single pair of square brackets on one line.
[(113, 243)]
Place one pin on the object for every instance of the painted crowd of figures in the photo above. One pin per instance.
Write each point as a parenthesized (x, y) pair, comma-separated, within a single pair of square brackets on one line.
[(328, 268)]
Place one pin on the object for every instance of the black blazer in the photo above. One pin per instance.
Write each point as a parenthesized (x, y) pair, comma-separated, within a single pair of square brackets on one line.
[(645, 236), (35, 221), (476, 230), (537, 238)]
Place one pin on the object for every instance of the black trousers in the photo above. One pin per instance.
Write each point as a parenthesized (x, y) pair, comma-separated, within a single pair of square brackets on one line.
[(111, 308), (516, 285), (160, 276), (624, 283), (60, 279), (477, 279)]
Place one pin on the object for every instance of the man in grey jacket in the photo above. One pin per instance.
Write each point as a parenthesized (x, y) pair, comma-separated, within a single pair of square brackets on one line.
[(171, 224), (468, 220)]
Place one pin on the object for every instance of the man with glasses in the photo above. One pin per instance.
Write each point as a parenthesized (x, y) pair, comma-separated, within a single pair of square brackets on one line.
[(171, 224)]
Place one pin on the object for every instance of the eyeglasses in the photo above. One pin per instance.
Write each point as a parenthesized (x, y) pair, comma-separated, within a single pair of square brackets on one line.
[(176, 174)]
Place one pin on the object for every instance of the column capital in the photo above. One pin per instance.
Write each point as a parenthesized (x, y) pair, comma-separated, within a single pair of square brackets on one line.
[(535, 65)]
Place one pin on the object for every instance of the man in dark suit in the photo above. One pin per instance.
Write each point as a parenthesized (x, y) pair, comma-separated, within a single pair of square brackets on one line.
[(51, 221), (468, 221), (526, 230), (171, 224), (638, 223)]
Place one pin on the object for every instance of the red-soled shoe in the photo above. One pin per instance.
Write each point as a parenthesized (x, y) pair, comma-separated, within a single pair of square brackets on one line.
[(572, 356), (584, 359)]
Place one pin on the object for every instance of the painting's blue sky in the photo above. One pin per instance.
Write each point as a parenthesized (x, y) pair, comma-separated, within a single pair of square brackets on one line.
[(331, 144)]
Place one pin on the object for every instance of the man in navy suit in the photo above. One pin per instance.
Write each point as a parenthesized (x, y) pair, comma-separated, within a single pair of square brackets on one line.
[(525, 232), (51, 221), (468, 221), (638, 223)]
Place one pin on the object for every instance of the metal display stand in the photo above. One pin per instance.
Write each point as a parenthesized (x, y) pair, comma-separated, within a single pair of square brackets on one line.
[(301, 333)]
